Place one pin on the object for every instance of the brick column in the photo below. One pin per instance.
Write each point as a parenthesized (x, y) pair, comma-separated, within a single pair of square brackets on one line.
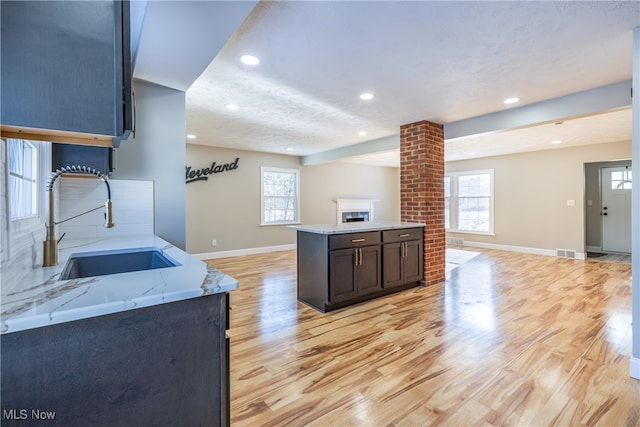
[(422, 190)]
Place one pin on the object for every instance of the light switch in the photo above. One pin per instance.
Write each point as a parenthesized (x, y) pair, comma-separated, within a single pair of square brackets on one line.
[(571, 202), (589, 202)]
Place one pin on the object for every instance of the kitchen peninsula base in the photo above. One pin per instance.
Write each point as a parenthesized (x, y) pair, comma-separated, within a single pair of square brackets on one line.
[(343, 265), (164, 365)]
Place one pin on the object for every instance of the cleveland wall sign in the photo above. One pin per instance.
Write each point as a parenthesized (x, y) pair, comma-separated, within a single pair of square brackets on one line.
[(203, 174)]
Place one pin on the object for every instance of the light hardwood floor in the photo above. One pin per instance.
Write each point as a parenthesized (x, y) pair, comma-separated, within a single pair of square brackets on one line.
[(509, 339)]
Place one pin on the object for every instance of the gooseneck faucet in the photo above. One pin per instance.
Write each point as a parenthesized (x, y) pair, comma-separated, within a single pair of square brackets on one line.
[(50, 245)]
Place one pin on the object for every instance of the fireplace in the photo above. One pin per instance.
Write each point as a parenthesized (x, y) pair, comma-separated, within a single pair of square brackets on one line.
[(354, 210)]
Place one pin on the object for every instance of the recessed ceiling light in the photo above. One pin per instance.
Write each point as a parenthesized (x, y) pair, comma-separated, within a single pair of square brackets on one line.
[(190, 136), (470, 153), (249, 60), (362, 133), (289, 148), (511, 100), (557, 141), (366, 96), (231, 106)]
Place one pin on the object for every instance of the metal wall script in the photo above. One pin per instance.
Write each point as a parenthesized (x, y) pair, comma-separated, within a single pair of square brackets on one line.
[(203, 174)]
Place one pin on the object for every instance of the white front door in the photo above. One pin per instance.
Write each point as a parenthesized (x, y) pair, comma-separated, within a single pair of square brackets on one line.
[(616, 209)]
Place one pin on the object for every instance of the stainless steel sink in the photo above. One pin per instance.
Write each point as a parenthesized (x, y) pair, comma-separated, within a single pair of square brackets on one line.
[(102, 263)]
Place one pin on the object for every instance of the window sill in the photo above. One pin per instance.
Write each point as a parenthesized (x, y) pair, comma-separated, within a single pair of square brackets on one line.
[(481, 233), (270, 224)]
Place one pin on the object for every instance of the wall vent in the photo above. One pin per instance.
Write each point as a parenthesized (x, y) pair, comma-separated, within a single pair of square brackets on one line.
[(566, 253), (455, 241)]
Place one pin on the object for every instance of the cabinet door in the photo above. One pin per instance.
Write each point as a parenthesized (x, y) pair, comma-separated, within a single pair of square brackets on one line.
[(342, 265), (413, 261), (99, 158), (62, 65), (392, 264), (368, 272)]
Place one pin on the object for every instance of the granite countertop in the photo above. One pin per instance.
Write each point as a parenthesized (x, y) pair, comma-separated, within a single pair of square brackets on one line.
[(354, 227), (41, 299)]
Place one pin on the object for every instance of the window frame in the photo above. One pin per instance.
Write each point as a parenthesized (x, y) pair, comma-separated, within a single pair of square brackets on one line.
[(296, 173), (20, 230), (34, 181), (454, 201)]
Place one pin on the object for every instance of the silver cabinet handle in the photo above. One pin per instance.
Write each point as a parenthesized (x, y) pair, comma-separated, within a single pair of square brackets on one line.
[(358, 257)]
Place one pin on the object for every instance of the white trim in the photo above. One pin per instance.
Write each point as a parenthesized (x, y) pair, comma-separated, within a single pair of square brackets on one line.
[(241, 252), (634, 368), (454, 198), (479, 233), (522, 249)]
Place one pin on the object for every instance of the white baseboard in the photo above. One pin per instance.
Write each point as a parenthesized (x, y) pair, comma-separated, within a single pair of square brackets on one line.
[(266, 249), (634, 368), (248, 251), (522, 249)]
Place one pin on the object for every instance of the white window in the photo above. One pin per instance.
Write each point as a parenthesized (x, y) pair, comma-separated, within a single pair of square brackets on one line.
[(469, 201), (23, 179), (621, 180), (280, 196), (447, 202)]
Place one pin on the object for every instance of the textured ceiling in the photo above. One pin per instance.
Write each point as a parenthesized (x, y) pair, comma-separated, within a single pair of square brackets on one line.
[(437, 61), (601, 128)]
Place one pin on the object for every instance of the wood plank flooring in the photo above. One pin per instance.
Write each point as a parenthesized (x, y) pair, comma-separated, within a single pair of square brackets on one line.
[(509, 339)]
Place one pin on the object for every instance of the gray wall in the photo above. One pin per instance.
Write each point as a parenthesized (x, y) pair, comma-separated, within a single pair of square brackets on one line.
[(226, 207), (531, 193), (158, 153)]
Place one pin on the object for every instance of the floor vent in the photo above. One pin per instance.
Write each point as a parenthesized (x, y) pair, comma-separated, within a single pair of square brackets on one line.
[(455, 241), (566, 253)]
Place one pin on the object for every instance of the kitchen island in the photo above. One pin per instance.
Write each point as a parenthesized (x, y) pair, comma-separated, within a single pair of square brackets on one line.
[(135, 348), (344, 264)]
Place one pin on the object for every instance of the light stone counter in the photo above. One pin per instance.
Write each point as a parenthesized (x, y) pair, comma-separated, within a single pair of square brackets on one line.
[(354, 227), (41, 299)]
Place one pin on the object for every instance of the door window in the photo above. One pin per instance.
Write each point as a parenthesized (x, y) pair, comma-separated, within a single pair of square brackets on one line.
[(621, 180)]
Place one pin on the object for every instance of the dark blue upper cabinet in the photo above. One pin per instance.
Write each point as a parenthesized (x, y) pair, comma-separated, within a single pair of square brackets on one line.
[(66, 66)]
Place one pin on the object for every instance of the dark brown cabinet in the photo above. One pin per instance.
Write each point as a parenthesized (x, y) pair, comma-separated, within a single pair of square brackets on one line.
[(402, 257), (354, 272), (336, 270)]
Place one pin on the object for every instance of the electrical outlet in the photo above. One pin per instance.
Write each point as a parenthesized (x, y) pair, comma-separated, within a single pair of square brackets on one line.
[(214, 242)]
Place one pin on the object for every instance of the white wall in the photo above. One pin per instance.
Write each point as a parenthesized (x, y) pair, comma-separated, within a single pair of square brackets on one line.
[(132, 203), (157, 153), (531, 194), (226, 207)]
